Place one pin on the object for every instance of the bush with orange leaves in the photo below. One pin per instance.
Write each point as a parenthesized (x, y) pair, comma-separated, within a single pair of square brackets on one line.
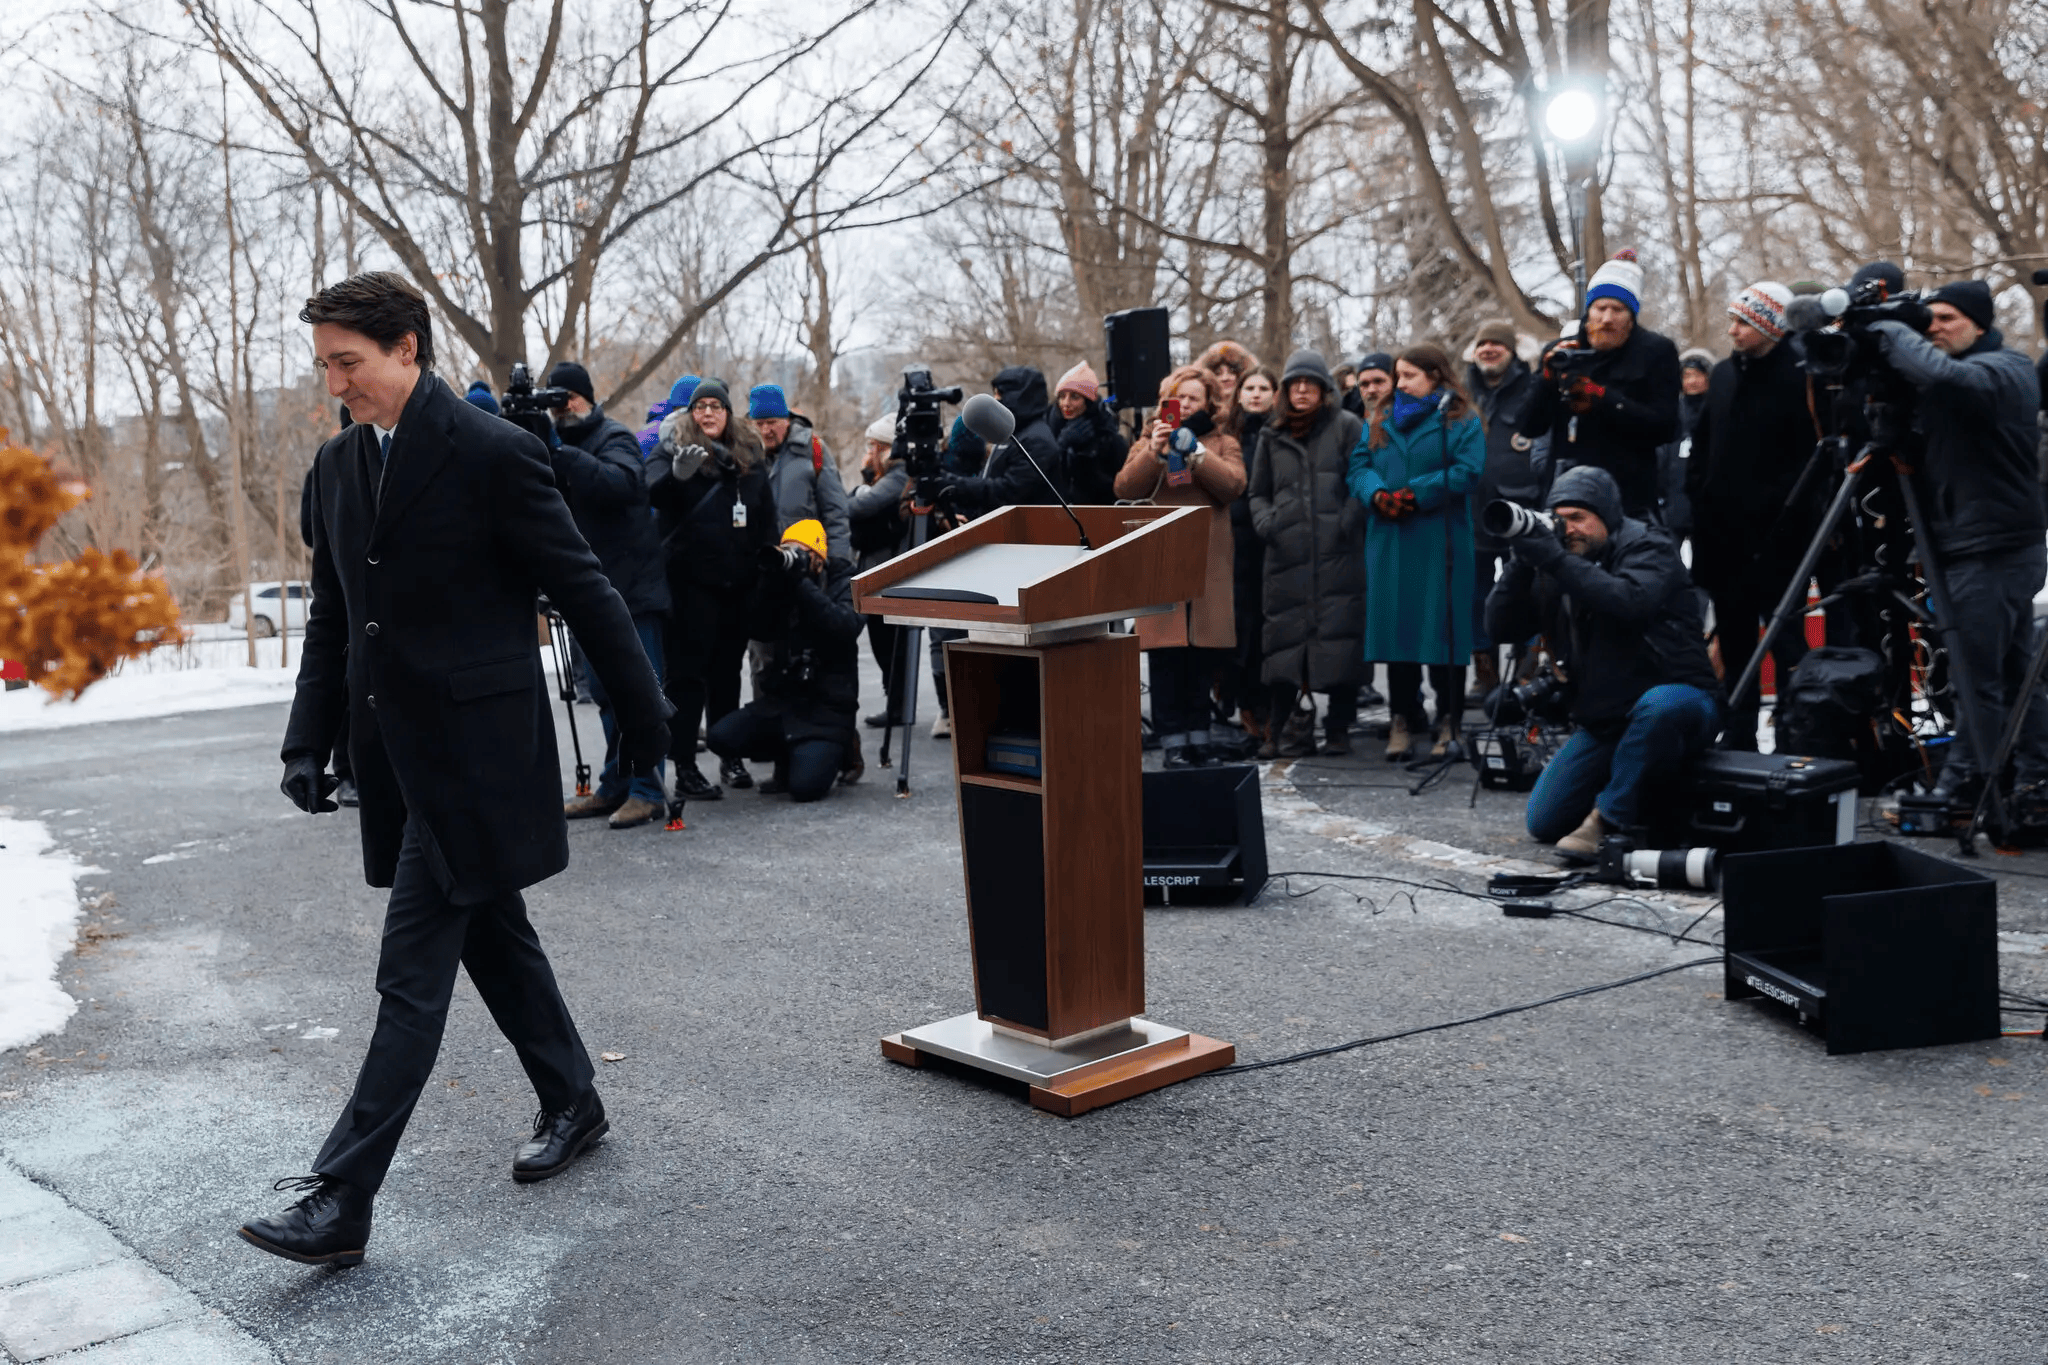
[(69, 623)]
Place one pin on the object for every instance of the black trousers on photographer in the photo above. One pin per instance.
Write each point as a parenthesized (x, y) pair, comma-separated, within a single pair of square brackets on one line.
[(1991, 606)]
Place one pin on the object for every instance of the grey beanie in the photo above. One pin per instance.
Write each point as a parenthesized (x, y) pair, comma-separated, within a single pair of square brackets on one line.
[(1308, 365), (1589, 487)]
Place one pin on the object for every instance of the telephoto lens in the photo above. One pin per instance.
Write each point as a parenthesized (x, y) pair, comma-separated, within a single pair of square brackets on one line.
[(1673, 869), (1506, 520)]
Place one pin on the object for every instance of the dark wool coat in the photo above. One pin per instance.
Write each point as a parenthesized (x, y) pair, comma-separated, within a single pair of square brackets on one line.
[(1753, 441), (1419, 569), (424, 600), (1314, 533)]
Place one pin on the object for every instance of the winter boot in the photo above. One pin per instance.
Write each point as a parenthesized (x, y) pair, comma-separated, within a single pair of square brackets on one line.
[(1446, 738), (1485, 677), (1399, 743), (1298, 734), (1584, 842)]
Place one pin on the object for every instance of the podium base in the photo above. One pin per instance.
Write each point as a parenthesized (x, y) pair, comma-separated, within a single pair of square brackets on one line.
[(1100, 1069)]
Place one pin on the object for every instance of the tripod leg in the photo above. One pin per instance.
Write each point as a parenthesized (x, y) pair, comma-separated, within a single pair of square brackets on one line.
[(1795, 591), (2015, 721), (913, 640)]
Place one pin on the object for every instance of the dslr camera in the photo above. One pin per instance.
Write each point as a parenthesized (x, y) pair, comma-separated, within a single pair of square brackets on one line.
[(794, 560), (1504, 520)]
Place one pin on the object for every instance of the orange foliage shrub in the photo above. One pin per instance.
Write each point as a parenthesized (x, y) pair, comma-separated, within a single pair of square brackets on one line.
[(69, 623)]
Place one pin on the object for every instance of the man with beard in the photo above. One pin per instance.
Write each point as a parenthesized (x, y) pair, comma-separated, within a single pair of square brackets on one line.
[(1609, 395), (1374, 386), (1502, 385)]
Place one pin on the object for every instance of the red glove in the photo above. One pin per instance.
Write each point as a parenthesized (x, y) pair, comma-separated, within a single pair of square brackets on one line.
[(1584, 393), (1392, 505), (1406, 498), (1552, 370)]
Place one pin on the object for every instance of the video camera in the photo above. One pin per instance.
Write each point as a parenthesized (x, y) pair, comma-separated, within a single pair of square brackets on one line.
[(920, 426), (1834, 328), (522, 399)]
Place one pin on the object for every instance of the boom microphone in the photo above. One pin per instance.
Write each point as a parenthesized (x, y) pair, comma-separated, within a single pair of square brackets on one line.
[(1811, 312), (990, 421)]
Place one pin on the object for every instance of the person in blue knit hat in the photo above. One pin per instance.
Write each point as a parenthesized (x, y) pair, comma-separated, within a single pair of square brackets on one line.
[(1609, 395), (679, 395), (480, 395), (801, 471)]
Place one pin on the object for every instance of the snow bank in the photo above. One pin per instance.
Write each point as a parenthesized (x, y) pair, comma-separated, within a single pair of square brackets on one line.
[(140, 695), (38, 922)]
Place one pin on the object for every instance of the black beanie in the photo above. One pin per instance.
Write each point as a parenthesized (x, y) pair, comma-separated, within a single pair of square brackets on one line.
[(1893, 277), (1971, 298), (1376, 360), (713, 388), (567, 374)]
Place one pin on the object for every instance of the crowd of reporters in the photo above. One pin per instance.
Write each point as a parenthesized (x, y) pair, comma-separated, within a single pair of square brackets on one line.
[(1346, 537)]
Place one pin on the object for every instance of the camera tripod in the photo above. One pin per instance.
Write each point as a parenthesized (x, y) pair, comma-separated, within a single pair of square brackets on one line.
[(900, 697), (565, 687), (1934, 612)]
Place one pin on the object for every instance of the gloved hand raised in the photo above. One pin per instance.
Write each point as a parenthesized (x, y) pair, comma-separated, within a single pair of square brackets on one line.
[(1584, 393), (1539, 548), (307, 786)]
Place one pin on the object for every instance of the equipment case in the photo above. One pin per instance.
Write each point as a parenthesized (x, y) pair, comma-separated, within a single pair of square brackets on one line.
[(1746, 803)]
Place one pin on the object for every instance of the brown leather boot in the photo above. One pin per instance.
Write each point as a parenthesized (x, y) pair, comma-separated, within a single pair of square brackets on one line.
[(1485, 676)]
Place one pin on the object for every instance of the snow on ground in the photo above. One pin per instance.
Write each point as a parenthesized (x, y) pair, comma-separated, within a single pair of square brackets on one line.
[(38, 919)]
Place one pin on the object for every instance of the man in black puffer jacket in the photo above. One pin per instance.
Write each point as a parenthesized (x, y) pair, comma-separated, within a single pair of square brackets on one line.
[(1609, 395), (802, 720), (1980, 412), (597, 467), (1613, 599), (1752, 518)]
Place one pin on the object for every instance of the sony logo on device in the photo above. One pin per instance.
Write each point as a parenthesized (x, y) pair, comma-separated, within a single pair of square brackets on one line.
[(1776, 992)]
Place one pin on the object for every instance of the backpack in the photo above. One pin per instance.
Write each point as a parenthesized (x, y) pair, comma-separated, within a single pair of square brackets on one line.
[(1833, 706)]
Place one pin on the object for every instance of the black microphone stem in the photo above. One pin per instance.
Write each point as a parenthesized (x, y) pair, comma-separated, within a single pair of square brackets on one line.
[(1079, 529)]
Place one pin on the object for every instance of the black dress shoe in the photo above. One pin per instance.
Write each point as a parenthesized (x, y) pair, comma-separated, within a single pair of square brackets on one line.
[(558, 1139), (691, 786), (329, 1225)]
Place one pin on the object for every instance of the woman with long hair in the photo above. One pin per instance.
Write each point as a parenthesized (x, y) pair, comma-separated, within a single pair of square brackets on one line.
[(1229, 363), (1415, 467), (1312, 593), (1193, 463)]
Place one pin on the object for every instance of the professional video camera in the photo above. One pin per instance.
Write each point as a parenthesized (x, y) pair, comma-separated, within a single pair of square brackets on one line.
[(525, 406), (1836, 342), (920, 426)]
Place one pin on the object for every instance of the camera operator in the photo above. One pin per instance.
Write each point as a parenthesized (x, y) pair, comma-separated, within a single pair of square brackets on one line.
[(1752, 519), (881, 531), (1609, 395), (1979, 411), (803, 716), (1610, 594), (597, 467)]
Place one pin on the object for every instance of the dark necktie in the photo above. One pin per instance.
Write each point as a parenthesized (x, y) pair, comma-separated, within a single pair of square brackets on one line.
[(377, 465)]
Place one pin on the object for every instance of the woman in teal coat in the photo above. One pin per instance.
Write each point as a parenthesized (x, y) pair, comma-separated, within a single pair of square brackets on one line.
[(1415, 467)]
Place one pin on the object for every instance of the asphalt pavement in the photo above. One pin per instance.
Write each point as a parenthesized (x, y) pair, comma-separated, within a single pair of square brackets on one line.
[(1646, 1174)]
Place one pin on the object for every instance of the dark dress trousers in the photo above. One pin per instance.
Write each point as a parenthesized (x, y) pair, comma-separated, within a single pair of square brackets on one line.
[(423, 630)]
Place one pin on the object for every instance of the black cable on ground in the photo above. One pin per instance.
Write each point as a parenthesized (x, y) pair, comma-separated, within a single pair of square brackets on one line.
[(1460, 1023)]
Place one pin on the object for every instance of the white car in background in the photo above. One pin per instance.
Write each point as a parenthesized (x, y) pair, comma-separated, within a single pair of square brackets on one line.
[(274, 604)]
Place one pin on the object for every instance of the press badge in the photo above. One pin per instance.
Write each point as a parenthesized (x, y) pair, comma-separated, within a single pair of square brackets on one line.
[(739, 516)]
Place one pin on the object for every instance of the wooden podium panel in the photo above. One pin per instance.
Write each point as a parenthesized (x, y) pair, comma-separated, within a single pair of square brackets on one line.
[(1054, 865)]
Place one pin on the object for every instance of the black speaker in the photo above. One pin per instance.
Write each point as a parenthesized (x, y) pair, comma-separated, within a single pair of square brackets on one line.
[(1871, 945), (1138, 343), (1205, 836)]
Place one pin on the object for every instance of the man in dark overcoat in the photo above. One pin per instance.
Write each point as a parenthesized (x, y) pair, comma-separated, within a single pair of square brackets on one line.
[(435, 526)]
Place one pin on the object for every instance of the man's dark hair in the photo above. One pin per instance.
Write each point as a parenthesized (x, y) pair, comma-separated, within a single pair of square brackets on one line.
[(379, 304)]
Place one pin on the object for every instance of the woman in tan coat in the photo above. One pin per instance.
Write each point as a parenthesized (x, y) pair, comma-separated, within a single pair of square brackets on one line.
[(1190, 642)]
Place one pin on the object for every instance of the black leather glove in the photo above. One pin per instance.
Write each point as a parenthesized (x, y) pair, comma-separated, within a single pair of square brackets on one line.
[(643, 747), (1541, 549), (307, 786)]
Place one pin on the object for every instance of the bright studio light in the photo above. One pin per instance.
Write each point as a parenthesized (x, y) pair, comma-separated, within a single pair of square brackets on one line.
[(1571, 115)]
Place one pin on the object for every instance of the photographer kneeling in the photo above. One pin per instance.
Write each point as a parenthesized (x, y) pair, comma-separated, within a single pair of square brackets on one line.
[(803, 717), (1613, 599)]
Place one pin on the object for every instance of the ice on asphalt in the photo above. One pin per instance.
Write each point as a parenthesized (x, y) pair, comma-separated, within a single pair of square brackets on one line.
[(38, 921)]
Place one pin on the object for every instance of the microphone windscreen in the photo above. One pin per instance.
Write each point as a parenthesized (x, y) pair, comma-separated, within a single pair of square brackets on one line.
[(989, 420), (1807, 314)]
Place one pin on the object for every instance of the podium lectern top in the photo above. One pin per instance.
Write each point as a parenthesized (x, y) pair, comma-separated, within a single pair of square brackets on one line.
[(1019, 570)]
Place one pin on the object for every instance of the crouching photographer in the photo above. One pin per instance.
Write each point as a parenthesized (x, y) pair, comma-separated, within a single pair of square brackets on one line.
[(803, 716), (1612, 597)]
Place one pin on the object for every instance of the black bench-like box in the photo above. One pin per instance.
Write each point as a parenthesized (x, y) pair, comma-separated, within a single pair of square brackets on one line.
[(1873, 945)]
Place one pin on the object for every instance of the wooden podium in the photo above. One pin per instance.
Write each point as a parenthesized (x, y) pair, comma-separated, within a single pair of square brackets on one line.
[(1054, 862)]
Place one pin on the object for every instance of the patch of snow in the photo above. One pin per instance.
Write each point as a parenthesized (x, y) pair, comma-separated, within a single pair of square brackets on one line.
[(155, 858), (139, 696), (38, 924)]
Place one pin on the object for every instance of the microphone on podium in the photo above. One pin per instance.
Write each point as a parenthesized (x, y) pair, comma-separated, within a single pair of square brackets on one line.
[(990, 421)]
